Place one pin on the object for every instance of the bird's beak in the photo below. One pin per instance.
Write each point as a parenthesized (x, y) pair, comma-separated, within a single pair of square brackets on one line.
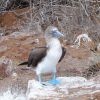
[(58, 34), (61, 34)]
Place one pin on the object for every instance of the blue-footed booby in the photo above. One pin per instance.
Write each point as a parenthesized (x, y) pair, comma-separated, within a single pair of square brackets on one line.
[(45, 59)]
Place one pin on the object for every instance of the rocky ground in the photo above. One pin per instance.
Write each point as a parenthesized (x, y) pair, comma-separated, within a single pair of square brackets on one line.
[(21, 29), (80, 61)]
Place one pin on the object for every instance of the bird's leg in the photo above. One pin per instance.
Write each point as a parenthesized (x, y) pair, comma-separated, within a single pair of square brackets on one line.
[(39, 78), (54, 76), (54, 81)]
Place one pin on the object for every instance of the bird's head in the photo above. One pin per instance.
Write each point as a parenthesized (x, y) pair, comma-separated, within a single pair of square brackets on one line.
[(53, 32)]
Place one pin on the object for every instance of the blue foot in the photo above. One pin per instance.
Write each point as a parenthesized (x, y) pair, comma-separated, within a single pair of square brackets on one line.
[(54, 82)]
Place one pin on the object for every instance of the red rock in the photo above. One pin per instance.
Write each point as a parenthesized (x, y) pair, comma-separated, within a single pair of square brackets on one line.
[(5, 68), (3, 73)]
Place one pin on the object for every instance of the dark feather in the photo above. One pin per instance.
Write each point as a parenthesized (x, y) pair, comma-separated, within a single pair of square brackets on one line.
[(37, 54), (63, 54), (23, 63)]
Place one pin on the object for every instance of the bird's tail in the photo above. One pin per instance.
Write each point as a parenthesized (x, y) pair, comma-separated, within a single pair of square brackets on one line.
[(23, 63)]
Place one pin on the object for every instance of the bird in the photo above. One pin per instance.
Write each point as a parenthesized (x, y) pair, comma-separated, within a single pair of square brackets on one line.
[(45, 59)]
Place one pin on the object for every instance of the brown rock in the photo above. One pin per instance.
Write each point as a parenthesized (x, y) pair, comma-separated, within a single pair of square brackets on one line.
[(5, 68), (3, 73)]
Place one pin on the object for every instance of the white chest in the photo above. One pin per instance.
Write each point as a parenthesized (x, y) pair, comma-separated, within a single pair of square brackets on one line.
[(48, 64)]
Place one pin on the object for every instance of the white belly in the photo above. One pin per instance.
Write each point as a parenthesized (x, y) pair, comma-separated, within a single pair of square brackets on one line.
[(48, 64)]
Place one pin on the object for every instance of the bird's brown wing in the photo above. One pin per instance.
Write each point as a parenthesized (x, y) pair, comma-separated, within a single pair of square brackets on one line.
[(63, 54), (36, 55)]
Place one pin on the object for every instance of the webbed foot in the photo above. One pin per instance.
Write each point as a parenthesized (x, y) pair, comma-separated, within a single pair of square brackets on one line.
[(54, 82)]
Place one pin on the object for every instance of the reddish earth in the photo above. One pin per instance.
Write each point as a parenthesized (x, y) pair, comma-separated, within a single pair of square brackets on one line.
[(15, 48)]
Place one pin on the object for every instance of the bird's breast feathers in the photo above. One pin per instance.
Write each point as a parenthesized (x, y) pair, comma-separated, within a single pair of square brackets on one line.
[(49, 62)]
